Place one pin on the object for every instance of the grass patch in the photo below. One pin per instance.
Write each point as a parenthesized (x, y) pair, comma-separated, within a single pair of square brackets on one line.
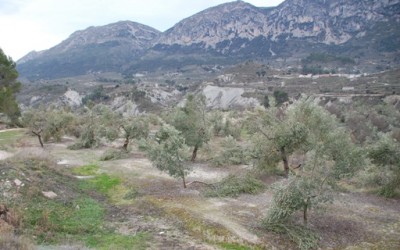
[(117, 241), (101, 183), (50, 221), (86, 170), (233, 186), (233, 246), (10, 137), (73, 217)]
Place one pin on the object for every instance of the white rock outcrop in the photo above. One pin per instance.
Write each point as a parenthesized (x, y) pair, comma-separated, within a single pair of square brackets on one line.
[(225, 98)]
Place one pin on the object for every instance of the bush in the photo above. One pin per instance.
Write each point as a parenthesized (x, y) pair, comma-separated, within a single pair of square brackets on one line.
[(233, 186), (232, 154), (113, 154), (302, 236)]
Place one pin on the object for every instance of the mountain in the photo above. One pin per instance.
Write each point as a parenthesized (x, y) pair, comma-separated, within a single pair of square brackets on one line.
[(103, 48), (363, 33), (292, 30)]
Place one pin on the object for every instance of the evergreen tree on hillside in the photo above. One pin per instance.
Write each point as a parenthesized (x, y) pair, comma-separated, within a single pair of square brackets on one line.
[(8, 87)]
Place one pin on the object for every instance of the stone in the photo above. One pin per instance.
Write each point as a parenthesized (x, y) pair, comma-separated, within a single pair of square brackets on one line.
[(49, 194), (17, 182)]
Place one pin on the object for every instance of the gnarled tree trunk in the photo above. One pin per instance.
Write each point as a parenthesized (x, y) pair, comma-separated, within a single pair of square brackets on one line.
[(194, 154), (126, 143), (39, 136), (285, 162)]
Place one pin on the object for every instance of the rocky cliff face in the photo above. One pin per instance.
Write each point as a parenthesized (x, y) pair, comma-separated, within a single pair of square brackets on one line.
[(235, 20), (368, 30), (330, 22)]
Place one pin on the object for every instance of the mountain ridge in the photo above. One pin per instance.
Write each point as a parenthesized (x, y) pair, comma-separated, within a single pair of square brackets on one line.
[(230, 33)]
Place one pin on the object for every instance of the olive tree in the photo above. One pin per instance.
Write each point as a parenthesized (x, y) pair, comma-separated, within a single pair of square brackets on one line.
[(329, 154), (47, 124), (134, 128), (385, 154), (191, 121), (169, 152), (96, 122), (277, 136)]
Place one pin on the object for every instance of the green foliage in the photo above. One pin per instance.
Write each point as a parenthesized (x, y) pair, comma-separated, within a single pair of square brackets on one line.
[(233, 186), (134, 128), (96, 123), (169, 152), (117, 241), (86, 170), (48, 123), (325, 58), (265, 101), (385, 154), (97, 95), (232, 129), (233, 153), (8, 87), (82, 216), (216, 119), (280, 97), (302, 236), (191, 122), (329, 155), (101, 183), (10, 137), (233, 246)]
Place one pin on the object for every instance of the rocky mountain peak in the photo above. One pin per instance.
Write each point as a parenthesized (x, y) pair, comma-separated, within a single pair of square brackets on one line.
[(136, 34), (223, 22)]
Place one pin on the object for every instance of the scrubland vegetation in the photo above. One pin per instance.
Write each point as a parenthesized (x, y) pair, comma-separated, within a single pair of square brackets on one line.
[(296, 173), (300, 157)]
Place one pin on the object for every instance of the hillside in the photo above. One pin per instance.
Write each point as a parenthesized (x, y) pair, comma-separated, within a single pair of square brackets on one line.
[(368, 32)]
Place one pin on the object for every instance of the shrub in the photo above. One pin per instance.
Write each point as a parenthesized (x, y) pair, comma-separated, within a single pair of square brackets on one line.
[(233, 186), (113, 154), (232, 154)]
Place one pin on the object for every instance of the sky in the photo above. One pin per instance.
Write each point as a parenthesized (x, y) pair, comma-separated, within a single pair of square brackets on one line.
[(27, 25)]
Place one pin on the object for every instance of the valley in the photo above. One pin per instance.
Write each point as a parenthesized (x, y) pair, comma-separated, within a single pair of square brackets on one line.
[(240, 127)]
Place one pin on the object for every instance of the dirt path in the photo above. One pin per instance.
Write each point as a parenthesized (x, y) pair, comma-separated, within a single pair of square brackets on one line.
[(5, 155)]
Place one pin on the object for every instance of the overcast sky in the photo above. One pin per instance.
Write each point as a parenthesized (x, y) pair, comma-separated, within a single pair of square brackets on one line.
[(27, 25)]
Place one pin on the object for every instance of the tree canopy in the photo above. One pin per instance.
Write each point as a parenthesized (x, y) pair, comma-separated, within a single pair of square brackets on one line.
[(169, 152), (8, 87), (191, 121)]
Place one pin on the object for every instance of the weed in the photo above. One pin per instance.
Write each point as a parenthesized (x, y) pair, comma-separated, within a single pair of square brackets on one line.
[(86, 170)]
